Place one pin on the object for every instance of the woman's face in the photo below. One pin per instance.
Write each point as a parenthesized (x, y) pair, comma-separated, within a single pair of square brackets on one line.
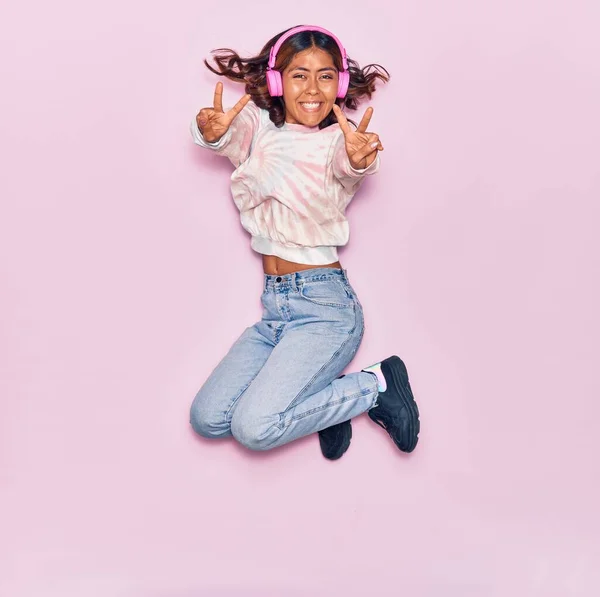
[(310, 84)]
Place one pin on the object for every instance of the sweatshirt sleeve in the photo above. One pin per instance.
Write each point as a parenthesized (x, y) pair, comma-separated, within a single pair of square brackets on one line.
[(236, 143), (349, 177)]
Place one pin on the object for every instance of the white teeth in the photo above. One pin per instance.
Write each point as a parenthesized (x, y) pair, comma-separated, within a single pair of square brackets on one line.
[(311, 105)]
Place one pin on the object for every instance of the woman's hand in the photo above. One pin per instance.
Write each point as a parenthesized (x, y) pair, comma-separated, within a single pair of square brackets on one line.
[(361, 146), (213, 122)]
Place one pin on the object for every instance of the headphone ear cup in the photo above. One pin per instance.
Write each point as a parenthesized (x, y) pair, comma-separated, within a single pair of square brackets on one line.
[(343, 83), (274, 83)]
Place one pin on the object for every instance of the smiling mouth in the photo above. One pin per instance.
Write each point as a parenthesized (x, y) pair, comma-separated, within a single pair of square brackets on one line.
[(311, 106)]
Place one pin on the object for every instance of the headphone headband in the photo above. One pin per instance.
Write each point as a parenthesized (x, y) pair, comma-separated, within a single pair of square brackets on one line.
[(293, 31)]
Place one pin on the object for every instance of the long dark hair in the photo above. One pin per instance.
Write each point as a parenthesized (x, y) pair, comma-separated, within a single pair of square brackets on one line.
[(252, 72)]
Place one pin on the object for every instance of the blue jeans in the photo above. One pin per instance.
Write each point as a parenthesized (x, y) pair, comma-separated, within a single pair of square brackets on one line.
[(279, 381)]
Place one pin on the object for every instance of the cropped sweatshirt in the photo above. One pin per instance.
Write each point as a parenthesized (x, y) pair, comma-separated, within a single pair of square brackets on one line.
[(291, 184)]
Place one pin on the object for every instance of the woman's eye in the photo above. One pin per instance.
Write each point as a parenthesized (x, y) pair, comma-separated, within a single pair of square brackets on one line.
[(324, 76)]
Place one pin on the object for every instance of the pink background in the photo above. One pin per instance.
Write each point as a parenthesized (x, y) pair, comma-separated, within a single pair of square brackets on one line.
[(126, 276)]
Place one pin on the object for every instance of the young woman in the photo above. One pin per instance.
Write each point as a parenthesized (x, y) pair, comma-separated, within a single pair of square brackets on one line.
[(298, 163)]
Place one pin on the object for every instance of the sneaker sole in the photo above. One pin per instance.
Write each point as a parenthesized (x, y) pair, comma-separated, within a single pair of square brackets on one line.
[(396, 369)]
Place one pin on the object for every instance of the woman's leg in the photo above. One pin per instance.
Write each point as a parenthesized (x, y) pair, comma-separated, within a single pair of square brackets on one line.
[(211, 411), (297, 392)]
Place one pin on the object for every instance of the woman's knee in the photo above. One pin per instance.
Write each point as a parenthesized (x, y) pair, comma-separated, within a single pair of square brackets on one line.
[(206, 420), (253, 434)]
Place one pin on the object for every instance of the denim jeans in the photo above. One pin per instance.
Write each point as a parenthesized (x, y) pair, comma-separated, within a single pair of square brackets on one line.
[(279, 381)]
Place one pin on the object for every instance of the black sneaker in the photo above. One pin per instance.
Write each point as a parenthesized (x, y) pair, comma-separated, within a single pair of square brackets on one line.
[(335, 440), (396, 409)]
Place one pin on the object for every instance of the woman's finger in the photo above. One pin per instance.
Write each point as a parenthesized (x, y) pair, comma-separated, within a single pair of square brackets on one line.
[(202, 117), (374, 137), (239, 106), (366, 150), (341, 118), (218, 99), (364, 123)]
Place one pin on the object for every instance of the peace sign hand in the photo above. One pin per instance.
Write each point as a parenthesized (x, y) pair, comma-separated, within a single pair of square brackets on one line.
[(361, 146), (214, 122)]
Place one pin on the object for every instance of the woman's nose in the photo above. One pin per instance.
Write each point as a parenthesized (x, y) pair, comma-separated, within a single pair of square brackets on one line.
[(313, 86)]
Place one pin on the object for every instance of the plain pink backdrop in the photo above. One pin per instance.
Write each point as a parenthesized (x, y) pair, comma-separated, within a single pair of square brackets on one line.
[(125, 276)]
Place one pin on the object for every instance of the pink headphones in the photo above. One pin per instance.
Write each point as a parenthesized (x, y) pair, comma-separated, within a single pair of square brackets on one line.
[(274, 82)]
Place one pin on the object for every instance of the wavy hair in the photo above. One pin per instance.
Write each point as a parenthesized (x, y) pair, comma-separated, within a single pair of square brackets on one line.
[(252, 71)]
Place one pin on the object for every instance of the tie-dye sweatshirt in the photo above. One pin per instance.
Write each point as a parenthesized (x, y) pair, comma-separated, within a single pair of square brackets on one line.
[(291, 184)]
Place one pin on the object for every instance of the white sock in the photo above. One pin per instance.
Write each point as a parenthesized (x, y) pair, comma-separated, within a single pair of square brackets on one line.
[(376, 368)]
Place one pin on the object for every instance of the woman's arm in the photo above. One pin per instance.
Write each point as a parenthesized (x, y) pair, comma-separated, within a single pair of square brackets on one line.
[(232, 130), (355, 152), (350, 177)]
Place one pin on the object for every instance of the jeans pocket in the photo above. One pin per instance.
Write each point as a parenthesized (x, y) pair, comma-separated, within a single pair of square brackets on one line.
[(327, 293)]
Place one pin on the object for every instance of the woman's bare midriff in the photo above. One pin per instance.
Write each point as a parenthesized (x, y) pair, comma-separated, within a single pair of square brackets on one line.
[(275, 266)]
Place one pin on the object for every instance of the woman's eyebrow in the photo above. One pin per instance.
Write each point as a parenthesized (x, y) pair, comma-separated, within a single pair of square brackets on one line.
[(320, 70)]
